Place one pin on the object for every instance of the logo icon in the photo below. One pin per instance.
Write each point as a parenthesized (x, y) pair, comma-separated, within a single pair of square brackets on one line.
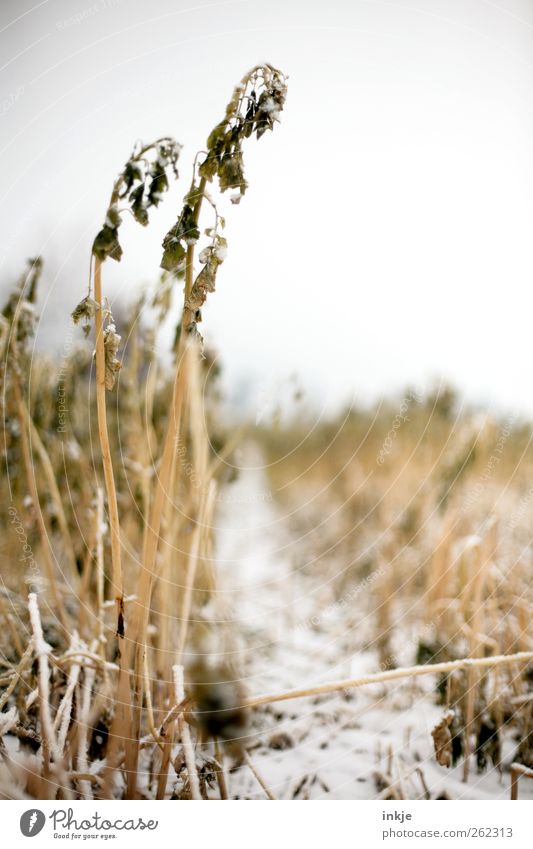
[(32, 822)]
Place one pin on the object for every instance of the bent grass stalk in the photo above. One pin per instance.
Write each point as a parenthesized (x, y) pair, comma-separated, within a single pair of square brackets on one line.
[(390, 675)]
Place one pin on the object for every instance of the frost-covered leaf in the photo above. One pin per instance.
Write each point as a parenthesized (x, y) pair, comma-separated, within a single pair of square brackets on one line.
[(255, 106), (142, 184), (173, 254), (106, 244), (85, 312), (182, 234), (139, 205)]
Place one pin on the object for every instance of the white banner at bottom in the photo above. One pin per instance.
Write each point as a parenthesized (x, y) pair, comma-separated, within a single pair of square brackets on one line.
[(278, 825)]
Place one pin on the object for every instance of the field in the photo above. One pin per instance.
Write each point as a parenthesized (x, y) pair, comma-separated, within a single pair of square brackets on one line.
[(197, 606)]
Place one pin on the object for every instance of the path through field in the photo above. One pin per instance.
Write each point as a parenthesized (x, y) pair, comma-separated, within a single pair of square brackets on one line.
[(334, 746)]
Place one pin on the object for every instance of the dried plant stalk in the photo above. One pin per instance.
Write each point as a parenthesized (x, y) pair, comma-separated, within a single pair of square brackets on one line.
[(391, 675), (54, 491), (42, 650), (258, 777), (121, 726), (518, 770), (185, 735), (117, 578), (32, 487), (83, 729)]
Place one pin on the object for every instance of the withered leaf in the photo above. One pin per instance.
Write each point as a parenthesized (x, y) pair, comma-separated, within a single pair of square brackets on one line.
[(442, 739), (106, 244), (112, 365)]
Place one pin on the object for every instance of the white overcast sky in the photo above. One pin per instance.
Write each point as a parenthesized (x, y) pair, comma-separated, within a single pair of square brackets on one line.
[(386, 236)]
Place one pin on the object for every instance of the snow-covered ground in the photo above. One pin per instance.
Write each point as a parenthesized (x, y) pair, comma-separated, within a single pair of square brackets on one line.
[(329, 747)]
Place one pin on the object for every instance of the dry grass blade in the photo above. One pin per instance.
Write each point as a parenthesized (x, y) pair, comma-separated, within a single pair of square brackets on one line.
[(391, 675)]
